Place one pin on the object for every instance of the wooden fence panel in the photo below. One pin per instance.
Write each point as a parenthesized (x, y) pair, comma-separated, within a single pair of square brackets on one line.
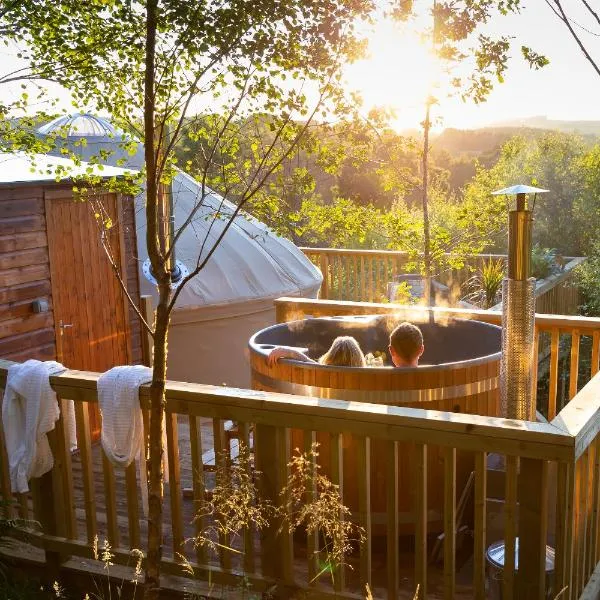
[(262, 424)]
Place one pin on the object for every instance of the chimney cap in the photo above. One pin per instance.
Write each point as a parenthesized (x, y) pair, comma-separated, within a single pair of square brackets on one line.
[(519, 189)]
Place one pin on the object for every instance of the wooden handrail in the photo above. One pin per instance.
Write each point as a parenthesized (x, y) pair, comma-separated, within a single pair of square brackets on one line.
[(364, 275), (354, 252), (365, 251), (567, 272), (289, 306), (580, 418), (468, 432)]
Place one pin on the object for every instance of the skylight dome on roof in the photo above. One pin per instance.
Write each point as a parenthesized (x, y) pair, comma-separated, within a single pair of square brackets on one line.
[(82, 125)]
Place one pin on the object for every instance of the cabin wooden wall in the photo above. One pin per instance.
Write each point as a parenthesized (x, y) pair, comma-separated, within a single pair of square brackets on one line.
[(25, 274), (133, 282)]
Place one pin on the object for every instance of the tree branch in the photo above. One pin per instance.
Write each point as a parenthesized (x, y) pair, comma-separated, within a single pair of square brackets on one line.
[(563, 17), (113, 263), (248, 195)]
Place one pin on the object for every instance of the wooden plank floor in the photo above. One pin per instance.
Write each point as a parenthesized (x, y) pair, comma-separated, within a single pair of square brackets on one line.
[(435, 574)]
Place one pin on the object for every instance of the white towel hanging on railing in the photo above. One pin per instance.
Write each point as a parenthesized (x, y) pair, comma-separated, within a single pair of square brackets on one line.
[(122, 433), (29, 411)]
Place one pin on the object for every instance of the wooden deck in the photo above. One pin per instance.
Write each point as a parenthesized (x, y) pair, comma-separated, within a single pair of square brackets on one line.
[(379, 566), (551, 484)]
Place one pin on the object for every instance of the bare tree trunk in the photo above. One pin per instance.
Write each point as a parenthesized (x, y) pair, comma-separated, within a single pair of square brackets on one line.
[(426, 229), (154, 244), (155, 469)]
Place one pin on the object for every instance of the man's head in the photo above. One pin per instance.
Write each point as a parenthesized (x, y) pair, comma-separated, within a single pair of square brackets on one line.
[(406, 345)]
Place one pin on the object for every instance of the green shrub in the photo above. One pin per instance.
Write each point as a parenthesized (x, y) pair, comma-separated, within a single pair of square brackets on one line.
[(543, 262), (588, 280)]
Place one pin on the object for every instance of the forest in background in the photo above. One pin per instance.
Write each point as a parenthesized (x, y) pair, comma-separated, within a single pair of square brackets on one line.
[(357, 185)]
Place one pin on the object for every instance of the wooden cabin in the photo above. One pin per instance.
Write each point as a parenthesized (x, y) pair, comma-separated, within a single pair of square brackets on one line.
[(59, 297)]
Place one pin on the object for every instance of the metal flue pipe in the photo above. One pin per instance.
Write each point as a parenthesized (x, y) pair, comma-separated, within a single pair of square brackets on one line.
[(518, 311)]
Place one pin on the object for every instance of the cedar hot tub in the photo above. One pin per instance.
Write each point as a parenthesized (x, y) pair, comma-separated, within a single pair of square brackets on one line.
[(458, 372)]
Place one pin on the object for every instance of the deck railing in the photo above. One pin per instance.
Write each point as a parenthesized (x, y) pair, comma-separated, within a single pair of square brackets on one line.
[(363, 275), (80, 499)]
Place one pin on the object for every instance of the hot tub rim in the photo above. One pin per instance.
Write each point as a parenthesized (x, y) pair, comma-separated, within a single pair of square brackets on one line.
[(447, 366)]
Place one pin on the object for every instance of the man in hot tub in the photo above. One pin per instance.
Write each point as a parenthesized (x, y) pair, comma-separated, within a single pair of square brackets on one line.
[(406, 345)]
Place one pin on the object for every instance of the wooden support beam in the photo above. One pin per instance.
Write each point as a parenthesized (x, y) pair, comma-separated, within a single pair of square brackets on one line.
[(364, 507), (533, 525), (393, 554), (449, 522), (420, 513), (480, 544)]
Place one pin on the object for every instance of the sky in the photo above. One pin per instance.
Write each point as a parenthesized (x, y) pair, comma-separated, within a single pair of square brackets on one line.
[(399, 72), (567, 89)]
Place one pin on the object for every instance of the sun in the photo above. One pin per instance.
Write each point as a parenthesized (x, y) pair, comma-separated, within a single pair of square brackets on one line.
[(401, 72)]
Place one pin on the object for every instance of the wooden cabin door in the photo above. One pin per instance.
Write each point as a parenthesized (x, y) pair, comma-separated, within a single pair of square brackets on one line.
[(90, 314)]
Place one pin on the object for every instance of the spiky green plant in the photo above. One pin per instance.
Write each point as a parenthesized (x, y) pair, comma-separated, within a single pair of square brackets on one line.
[(104, 588), (484, 287), (234, 503)]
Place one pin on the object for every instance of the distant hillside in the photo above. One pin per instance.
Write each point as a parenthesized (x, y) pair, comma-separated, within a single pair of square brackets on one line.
[(484, 144), (585, 128), (475, 142)]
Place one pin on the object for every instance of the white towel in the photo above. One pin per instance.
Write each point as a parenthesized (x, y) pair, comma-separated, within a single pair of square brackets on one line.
[(122, 421), (29, 412)]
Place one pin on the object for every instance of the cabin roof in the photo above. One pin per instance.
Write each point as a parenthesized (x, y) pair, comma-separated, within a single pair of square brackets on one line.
[(19, 167)]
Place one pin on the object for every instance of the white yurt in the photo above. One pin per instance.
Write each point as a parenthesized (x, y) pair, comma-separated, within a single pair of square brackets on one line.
[(232, 297)]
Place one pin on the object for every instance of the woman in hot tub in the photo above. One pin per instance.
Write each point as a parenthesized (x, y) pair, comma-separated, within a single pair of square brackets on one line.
[(344, 352)]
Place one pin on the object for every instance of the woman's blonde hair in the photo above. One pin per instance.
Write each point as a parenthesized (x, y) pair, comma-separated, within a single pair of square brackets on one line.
[(344, 352)]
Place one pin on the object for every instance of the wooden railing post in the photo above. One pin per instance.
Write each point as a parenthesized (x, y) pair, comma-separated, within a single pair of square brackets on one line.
[(272, 454), (324, 266), (44, 513), (48, 497), (533, 529)]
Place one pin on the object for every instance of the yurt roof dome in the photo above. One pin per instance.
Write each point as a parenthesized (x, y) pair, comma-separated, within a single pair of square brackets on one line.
[(82, 125), (250, 263)]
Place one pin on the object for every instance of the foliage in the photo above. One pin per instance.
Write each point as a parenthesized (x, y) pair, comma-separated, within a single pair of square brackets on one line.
[(459, 37), (234, 504), (313, 503), (543, 262), (104, 587), (403, 294), (13, 587), (588, 281), (341, 224), (567, 217), (485, 286), (585, 209)]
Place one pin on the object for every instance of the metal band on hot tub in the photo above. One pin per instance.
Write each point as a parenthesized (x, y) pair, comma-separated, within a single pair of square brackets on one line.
[(379, 396)]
